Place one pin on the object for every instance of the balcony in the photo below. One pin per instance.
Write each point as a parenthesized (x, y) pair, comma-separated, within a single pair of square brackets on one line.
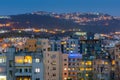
[(23, 64), (23, 74)]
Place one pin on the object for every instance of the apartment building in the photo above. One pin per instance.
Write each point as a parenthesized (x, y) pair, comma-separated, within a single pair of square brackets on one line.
[(52, 63)]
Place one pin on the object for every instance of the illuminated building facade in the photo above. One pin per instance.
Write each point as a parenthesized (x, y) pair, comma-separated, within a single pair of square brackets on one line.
[(65, 45), (71, 66), (37, 45), (64, 66), (3, 74), (74, 65), (90, 49), (102, 69), (24, 65), (117, 61)]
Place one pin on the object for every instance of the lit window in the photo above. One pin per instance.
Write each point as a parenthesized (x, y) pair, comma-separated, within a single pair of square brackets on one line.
[(81, 69), (65, 78), (65, 68), (19, 59), (82, 63), (106, 63), (37, 70), (113, 62), (3, 78), (86, 74), (28, 59), (2, 59), (68, 68), (89, 63), (73, 68), (37, 60)]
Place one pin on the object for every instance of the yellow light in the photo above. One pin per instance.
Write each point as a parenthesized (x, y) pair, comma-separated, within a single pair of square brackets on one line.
[(90, 69), (106, 63), (81, 69), (63, 31), (86, 74), (20, 43), (65, 68), (81, 79), (65, 78), (3, 78), (68, 68), (87, 69), (73, 68), (36, 30), (63, 42), (25, 60), (67, 48), (19, 59), (82, 63), (86, 63), (28, 59), (89, 62), (4, 45), (113, 62)]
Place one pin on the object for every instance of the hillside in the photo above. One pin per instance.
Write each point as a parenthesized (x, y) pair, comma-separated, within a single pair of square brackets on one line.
[(100, 23)]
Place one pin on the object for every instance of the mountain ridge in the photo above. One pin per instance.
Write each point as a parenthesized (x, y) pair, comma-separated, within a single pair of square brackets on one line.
[(89, 22)]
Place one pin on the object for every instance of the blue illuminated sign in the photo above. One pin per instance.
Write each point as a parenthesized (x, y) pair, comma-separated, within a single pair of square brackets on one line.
[(75, 56)]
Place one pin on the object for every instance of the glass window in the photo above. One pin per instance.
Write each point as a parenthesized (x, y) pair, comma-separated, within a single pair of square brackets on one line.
[(37, 70), (37, 78), (65, 59), (37, 60)]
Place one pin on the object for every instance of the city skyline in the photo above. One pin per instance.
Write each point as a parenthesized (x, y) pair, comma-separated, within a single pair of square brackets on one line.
[(8, 7)]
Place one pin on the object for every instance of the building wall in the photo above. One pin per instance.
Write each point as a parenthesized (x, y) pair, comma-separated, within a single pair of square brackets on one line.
[(3, 74), (52, 65), (117, 60), (64, 66), (31, 45), (101, 69)]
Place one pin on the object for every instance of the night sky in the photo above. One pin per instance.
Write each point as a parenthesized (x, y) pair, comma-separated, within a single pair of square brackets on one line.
[(8, 7)]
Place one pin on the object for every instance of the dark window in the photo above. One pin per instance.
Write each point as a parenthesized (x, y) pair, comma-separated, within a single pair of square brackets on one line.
[(73, 59), (26, 70), (35, 45), (44, 49), (69, 64), (10, 63), (65, 64), (20, 70), (30, 70), (54, 68), (65, 59), (54, 74), (49, 49), (65, 73), (37, 78)]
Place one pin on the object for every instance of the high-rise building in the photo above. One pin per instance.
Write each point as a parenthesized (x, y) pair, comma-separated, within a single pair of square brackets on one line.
[(52, 65), (90, 49), (21, 65), (65, 45), (3, 64), (71, 66), (117, 61)]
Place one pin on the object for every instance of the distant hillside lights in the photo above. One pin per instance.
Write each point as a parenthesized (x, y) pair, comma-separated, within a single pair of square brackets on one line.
[(5, 25), (5, 17)]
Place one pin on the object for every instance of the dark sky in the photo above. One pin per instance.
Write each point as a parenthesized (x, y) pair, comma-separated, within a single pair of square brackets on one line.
[(8, 7)]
